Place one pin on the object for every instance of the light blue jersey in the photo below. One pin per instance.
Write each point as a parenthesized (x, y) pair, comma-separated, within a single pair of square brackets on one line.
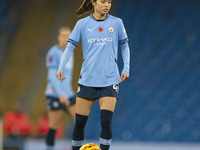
[(100, 41), (55, 87)]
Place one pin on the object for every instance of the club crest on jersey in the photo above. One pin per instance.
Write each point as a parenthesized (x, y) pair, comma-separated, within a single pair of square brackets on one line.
[(111, 29)]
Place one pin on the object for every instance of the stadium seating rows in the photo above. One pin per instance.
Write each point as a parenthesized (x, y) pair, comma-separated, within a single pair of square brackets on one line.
[(4, 6)]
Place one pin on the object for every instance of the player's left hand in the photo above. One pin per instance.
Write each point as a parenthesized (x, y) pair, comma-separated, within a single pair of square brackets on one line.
[(123, 77)]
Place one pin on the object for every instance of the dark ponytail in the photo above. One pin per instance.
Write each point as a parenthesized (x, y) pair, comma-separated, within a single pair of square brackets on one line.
[(85, 7)]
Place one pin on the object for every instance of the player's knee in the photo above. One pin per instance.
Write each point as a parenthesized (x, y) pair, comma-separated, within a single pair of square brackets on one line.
[(80, 121), (106, 118)]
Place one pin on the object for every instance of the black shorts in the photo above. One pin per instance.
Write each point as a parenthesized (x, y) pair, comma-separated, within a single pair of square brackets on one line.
[(97, 92), (54, 103)]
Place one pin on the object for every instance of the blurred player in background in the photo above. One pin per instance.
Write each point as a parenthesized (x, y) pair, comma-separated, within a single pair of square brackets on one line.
[(101, 34), (59, 95)]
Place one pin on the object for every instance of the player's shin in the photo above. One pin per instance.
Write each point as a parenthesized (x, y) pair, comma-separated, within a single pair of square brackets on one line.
[(50, 139), (106, 132), (78, 133)]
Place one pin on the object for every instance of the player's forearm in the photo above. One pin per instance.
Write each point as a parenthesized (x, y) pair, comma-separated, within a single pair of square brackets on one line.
[(126, 57), (57, 85), (66, 56)]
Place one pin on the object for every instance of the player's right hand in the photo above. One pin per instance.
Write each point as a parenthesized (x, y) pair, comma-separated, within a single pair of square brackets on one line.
[(60, 76)]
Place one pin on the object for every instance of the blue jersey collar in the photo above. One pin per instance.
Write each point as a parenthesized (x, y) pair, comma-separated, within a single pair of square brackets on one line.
[(99, 20)]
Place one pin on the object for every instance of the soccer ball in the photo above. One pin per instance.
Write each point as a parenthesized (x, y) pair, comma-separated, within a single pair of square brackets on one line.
[(90, 146)]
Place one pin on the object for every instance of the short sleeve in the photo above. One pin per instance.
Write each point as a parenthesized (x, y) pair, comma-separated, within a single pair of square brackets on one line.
[(52, 60), (75, 36), (122, 35)]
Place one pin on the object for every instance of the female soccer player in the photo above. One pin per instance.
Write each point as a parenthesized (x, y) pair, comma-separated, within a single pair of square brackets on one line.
[(101, 34), (59, 96)]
